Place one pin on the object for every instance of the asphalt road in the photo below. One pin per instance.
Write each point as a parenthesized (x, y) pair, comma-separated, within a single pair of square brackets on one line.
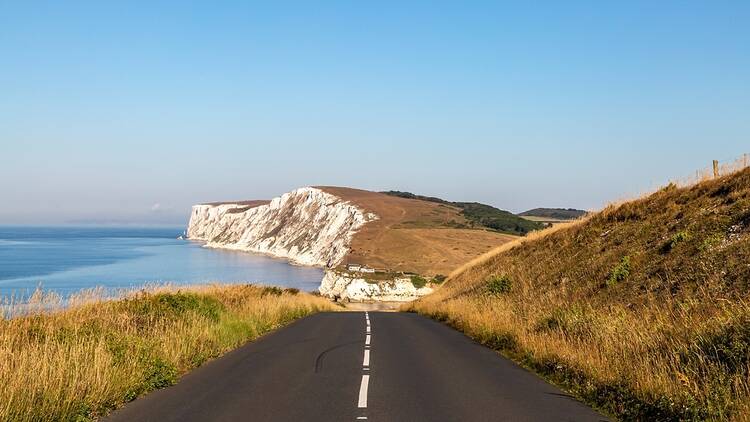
[(321, 368)]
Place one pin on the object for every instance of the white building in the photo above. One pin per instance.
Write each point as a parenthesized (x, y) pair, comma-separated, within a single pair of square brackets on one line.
[(353, 267)]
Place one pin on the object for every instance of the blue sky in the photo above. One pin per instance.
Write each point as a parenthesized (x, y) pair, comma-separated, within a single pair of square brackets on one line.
[(131, 112)]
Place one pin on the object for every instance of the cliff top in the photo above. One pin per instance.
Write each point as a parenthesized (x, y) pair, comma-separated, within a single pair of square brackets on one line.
[(249, 204), (414, 235)]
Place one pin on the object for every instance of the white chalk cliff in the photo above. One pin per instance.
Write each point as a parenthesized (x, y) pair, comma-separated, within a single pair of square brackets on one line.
[(306, 226), (350, 288)]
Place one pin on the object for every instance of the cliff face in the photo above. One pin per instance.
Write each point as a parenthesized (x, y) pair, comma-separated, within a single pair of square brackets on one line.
[(306, 226), (348, 288)]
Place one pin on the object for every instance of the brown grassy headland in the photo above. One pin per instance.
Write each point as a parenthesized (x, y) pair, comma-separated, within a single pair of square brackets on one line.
[(414, 235)]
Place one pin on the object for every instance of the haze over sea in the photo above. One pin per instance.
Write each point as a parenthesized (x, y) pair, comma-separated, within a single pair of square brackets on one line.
[(68, 259)]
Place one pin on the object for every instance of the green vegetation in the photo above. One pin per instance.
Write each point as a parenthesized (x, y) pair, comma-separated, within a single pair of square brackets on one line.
[(418, 281), (481, 215), (439, 279), (676, 239), (555, 213), (620, 272), (79, 363), (669, 340), (497, 285)]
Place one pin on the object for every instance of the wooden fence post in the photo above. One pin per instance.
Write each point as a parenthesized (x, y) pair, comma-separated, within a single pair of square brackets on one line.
[(716, 168)]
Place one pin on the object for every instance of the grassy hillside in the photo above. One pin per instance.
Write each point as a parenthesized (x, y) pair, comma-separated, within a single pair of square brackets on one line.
[(413, 235), (481, 215), (642, 309), (81, 362), (554, 213)]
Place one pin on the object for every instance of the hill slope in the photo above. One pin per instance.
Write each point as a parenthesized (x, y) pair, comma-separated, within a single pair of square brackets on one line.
[(641, 309), (415, 235), (479, 215)]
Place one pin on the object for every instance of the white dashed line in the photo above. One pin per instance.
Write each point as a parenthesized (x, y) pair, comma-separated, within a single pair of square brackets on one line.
[(363, 391), (362, 404)]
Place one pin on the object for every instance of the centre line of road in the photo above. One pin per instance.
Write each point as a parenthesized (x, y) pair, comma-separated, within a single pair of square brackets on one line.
[(363, 391), (362, 403)]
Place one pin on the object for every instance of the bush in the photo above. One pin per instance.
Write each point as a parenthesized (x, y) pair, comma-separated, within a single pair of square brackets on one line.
[(418, 281), (497, 285), (438, 279), (620, 272), (170, 306), (676, 239)]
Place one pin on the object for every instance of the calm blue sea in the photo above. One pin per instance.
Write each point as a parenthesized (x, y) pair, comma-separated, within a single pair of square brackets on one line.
[(67, 259)]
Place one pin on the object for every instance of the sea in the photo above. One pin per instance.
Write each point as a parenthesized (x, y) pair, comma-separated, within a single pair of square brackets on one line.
[(66, 260)]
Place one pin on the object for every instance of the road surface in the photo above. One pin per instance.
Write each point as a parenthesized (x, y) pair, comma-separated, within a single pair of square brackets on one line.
[(355, 366)]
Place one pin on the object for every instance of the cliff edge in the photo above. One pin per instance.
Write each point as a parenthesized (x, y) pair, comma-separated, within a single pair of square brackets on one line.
[(307, 226)]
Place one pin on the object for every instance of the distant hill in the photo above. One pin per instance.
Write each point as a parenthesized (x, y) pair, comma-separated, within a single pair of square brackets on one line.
[(481, 215), (556, 213)]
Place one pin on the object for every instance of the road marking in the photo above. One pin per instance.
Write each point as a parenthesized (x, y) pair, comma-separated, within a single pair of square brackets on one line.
[(363, 391), (366, 362), (361, 417), (365, 369), (367, 340), (368, 329)]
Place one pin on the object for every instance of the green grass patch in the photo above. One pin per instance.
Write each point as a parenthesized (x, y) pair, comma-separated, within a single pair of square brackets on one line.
[(498, 285), (620, 272)]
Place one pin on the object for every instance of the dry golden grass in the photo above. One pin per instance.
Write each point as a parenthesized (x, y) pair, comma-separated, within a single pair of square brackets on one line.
[(80, 362), (641, 310), (414, 235)]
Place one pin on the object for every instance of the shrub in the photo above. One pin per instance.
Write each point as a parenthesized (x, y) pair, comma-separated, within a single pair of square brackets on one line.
[(438, 279), (497, 285), (418, 281), (620, 272), (676, 239), (170, 306)]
